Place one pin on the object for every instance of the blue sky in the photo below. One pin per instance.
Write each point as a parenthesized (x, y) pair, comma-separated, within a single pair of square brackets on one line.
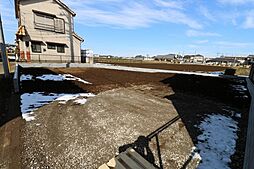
[(131, 27)]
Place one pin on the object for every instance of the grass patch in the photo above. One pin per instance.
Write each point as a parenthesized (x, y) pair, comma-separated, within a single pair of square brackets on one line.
[(242, 71)]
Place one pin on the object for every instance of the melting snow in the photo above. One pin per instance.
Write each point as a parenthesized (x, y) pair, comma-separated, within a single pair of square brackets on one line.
[(216, 73), (59, 77), (32, 101), (218, 141), (26, 77)]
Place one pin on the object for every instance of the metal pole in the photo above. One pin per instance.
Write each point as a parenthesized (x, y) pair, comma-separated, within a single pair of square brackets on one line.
[(3, 51)]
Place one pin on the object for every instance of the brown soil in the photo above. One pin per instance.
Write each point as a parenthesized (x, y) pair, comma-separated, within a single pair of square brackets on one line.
[(10, 126)]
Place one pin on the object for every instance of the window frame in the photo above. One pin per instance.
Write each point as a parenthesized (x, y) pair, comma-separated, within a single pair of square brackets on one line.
[(59, 47), (49, 27), (36, 44)]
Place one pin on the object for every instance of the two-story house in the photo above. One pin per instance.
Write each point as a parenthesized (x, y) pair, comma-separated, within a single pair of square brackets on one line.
[(46, 31)]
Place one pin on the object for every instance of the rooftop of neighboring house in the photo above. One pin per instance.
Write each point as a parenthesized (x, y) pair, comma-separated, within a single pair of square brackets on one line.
[(235, 57), (57, 1), (190, 56), (224, 59), (168, 56)]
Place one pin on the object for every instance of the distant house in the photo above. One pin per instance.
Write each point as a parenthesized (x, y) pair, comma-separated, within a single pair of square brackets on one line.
[(225, 61), (249, 59), (45, 31), (139, 57), (11, 51), (87, 56), (169, 58), (241, 60), (194, 58)]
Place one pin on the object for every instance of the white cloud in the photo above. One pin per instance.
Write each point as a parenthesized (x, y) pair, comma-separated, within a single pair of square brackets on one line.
[(195, 33), (129, 14), (171, 4), (206, 13), (235, 2), (227, 44), (249, 20)]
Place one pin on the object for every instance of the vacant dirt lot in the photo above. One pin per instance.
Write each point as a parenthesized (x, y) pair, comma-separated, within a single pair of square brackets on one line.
[(130, 110), (129, 106), (168, 66)]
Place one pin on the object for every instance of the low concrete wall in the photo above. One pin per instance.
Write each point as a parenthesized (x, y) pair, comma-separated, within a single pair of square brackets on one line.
[(249, 150)]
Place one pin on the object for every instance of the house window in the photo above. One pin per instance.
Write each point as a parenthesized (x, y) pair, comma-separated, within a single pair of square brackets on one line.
[(48, 22), (60, 49), (51, 46), (59, 25), (44, 22), (36, 47)]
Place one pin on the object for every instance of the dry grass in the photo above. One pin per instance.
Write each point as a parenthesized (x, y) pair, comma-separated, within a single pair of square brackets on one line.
[(242, 71)]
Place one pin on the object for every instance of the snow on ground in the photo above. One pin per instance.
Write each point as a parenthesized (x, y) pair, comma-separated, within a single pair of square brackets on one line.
[(26, 77), (216, 73), (217, 142), (59, 77), (33, 101)]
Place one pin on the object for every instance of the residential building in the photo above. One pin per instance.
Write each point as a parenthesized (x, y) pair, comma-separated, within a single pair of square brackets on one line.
[(249, 60), (194, 58), (224, 61), (87, 56), (11, 51), (169, 58), (46, 31)]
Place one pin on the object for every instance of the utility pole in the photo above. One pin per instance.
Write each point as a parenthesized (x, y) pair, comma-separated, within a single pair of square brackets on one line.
[(3, 51), (71, 37)]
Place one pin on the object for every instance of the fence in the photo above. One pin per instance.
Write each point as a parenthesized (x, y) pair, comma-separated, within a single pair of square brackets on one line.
[(43, 58)]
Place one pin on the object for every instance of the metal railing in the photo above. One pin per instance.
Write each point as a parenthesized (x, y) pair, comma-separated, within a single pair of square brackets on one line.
[(48, 58)]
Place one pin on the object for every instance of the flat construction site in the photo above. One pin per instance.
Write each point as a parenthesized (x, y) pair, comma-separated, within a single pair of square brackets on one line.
[(157, 114)]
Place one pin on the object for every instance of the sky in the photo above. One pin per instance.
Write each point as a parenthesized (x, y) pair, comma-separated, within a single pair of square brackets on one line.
[(151, 27)]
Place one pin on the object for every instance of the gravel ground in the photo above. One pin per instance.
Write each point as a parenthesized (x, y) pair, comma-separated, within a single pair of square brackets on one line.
[(86, 136)]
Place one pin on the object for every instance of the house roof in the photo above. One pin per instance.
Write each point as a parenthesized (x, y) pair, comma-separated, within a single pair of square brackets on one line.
[(189, 56), (223, 60), (78, 37), (168, 56), (57, 1)]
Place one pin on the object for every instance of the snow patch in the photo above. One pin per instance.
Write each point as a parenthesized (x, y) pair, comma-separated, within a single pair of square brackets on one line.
[(216, 73), (218, 141), (25, 77), (61, 77), (32, 101), (28, 116), (80, 101), (240, 88)]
